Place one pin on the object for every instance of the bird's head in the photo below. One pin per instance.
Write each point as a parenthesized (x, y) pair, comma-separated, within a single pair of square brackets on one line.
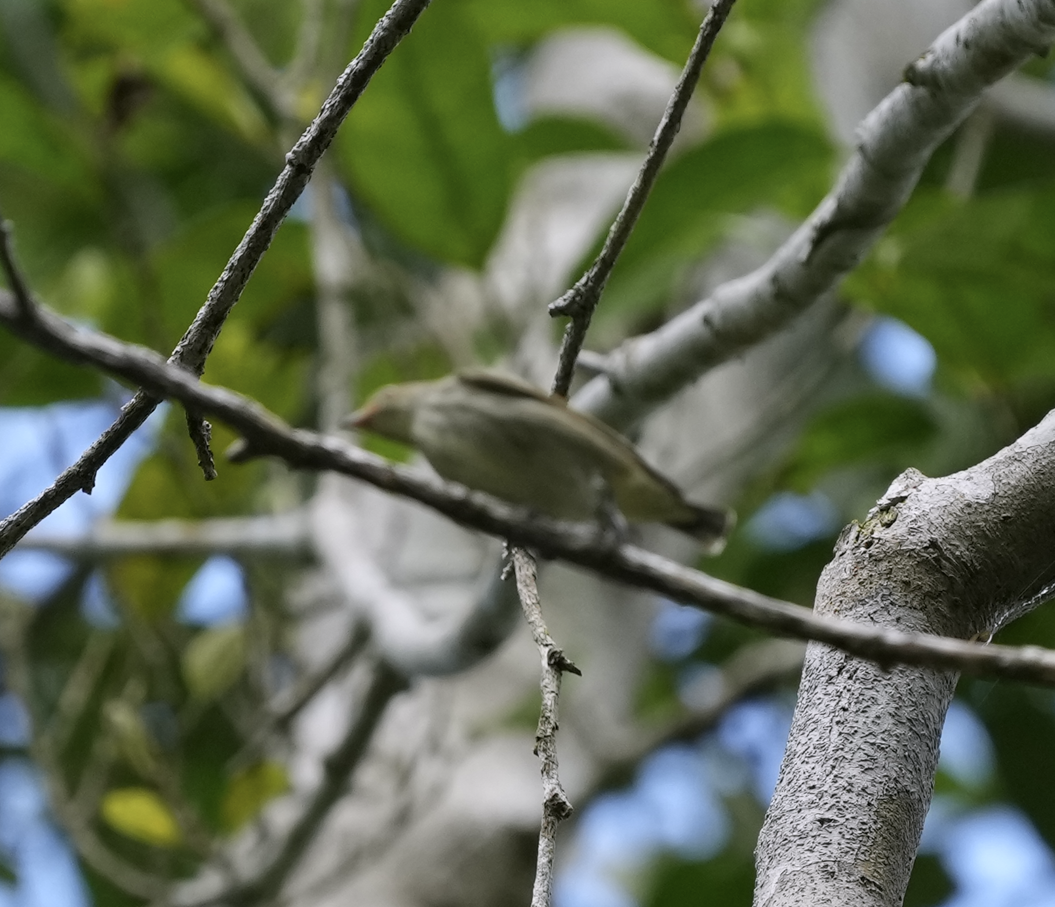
[(390, 411)]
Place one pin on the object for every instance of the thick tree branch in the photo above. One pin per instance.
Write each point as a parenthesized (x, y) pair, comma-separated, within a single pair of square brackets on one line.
[(895, 142), (265, 434), (958, 556)]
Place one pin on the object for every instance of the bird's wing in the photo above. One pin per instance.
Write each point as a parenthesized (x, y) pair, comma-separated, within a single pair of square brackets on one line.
[(502, 383), (619, 447)]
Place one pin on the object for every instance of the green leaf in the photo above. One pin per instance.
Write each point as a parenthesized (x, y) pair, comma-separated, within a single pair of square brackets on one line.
[(139, 813), (213, 660), (423, 146), (687, 211), (873, 428), (250, 790), (33, 140), (665, 27), (548, 136), (974, 277)]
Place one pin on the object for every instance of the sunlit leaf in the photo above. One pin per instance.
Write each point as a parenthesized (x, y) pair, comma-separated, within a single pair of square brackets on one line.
[(140, 813), (250, 790)]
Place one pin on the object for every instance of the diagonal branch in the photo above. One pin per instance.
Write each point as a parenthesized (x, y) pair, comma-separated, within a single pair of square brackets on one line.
[(254, 66), (266, 434), (581, 300), (193, 349), (895, 142)]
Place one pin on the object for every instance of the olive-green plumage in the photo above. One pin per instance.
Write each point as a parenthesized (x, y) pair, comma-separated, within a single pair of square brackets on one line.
[(498, 434)]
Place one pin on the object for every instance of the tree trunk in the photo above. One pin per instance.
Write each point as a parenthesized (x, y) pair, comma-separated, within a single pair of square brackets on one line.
[(959, 556)]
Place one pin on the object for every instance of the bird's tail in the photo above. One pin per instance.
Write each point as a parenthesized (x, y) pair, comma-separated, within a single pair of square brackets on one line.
[(709, 525)]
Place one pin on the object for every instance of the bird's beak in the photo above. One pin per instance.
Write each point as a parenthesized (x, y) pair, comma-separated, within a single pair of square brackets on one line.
[(361, 418)]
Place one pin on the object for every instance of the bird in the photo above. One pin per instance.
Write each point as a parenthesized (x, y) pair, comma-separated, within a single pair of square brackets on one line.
[(496, 433)]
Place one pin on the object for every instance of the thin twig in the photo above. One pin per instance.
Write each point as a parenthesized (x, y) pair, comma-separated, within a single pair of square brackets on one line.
[(305, 692), (13, 644), (256, 69), (385, 684), (555, 803), (193, 349), (267, 435), (15, 279), (581, 300), (200, 432)]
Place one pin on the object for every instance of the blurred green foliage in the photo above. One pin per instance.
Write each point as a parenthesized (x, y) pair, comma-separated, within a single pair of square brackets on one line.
[(132, 157)]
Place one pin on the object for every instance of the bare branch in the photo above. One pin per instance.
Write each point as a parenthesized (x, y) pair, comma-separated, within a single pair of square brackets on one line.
[(895, 142), (200, 433), (385, 684), (15, 279), (266, 434), (581, 300), (556, 807), (194, 348)]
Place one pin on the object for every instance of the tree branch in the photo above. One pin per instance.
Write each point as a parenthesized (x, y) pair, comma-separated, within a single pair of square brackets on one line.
[(895, 142), (556, 807), (266, 434), (15, 280), (193, 349), (581, 300), (276, 535), (958, 556)]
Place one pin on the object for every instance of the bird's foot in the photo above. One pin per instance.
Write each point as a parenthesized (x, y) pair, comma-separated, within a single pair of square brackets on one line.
[(614, 529)]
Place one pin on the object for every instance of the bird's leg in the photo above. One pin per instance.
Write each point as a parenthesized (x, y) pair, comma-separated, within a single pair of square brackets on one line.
[(615, 530)]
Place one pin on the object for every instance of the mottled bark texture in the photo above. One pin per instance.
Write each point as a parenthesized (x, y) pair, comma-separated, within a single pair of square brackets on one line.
[(959, 556)]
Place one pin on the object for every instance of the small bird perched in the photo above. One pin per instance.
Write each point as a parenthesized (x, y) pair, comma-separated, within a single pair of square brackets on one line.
[(496, 433)]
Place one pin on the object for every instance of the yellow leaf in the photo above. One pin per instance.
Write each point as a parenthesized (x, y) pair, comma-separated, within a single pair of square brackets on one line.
[(249, 791), (140, 813)]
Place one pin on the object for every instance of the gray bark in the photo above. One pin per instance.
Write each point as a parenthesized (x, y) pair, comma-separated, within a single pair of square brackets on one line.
[(959, 556)]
